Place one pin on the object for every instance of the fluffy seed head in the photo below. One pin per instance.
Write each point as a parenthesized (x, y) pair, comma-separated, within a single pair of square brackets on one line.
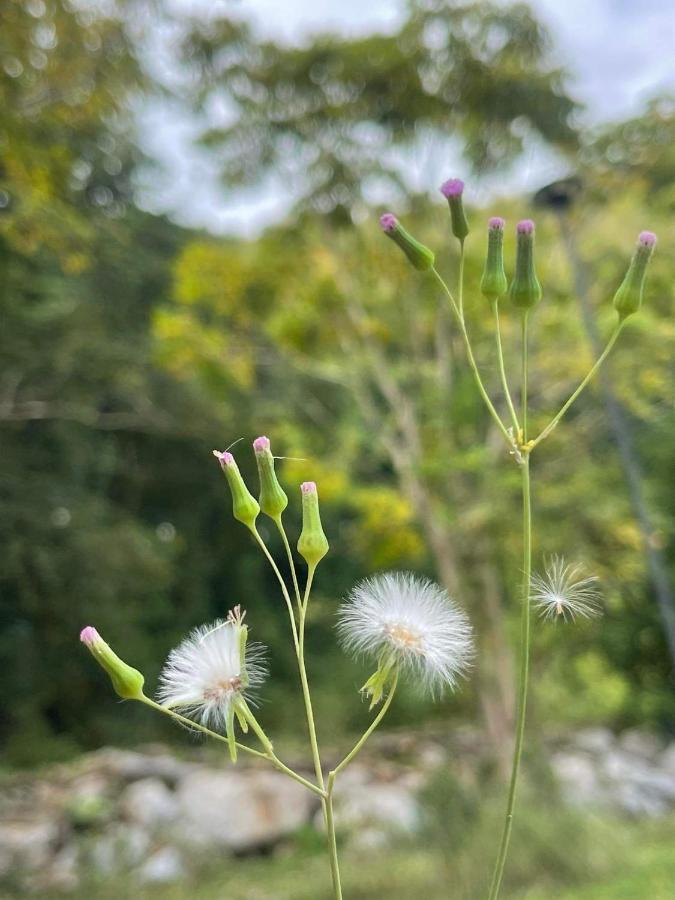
[(453, 187), (388, 222), (411, 619), (564, 591), (213, 666)]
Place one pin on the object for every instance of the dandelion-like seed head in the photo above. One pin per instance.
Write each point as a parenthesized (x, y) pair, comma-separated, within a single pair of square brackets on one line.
[(412, 621), (214, 666), (564, 591)]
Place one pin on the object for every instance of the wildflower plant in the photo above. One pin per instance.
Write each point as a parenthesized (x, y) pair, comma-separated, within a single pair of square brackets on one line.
[(407, 626), (563, 592)]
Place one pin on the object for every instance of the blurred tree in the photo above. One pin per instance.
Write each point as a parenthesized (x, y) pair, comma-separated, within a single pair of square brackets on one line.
[(336, 117)]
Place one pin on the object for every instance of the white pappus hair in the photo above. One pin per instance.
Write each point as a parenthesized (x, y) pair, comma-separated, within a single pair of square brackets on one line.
[(415, 621), (564, 591), (205, 673)]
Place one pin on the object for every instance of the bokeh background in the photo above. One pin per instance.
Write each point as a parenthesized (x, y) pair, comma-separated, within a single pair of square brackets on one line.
[(189, 257)]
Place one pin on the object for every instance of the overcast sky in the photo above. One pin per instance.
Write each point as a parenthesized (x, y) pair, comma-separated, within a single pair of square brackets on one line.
[(619, 52)]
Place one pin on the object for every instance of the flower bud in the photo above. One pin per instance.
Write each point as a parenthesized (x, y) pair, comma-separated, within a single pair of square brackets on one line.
[(628, 299), (244, 505), (493, 284), (452, 190), (127, 682), (312, 543), (420, 256), (273, 500), (525, 289)]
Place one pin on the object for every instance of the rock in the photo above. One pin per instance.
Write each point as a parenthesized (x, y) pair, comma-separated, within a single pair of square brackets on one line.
[(121, 847), (641, 743), (130, 766), (164, 866), (578, 777), (377, 805), (149, 803), (240, 810), (594, 740), (61, 874), (667, 759), (27, 845)]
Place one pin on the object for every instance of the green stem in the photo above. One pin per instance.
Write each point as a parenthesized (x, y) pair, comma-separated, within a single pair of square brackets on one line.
[(332, 845), (502, 370), (362, 740), (271, 756), (291, 561), (523, 682), (603, 356), (472, 362), (282, 583), (460, 280), (523, 387)]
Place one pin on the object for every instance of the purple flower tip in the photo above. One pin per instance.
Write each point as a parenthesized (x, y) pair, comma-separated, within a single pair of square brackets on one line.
[(308, 487), (260, 444), (647, 239), (454, 187), (388, 222), (89, 635), (496, 223), (525, 227), (223, 457)]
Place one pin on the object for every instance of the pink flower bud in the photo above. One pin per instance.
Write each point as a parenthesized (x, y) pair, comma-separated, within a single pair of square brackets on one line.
[(223, 457), (647, 239), (260, 444), (453, 187), (526, 226), (89, 635), (308, 487), (388, 221), (496, 223)]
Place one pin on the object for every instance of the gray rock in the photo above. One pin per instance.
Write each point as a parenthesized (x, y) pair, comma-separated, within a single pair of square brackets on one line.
[(27, 845), (149, 803), (60, 874), (164, 866), (131, 766), (240, 810), (377, 806), (641, 743), (666, 760), (119, 848), (594, 740), (578, 778)]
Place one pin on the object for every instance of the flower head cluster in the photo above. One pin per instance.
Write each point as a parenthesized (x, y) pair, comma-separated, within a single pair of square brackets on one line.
[(409, 622), (213, 667), (564, 591)]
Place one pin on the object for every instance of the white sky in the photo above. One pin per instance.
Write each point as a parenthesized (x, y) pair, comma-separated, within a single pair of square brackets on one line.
[(619, 52)]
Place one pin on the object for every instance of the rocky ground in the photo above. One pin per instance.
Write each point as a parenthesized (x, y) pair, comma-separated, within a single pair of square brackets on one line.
[(159, 817)]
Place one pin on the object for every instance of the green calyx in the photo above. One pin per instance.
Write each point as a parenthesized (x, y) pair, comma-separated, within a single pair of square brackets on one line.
[(381, 679), (494, 283), (273, 500), (525, 291), (127, 682), (628, 298), (421, 257), (458, 222), (245, 507), (312, 543)]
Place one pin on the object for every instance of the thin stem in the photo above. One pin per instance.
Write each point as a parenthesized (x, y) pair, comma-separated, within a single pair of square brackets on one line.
[(291, 561), (472, 362), (332, 845), (282, 583), (523, 386), (271, 756), (460, 280), (362, 740), (523, 683), (603, 356), (502, 370)]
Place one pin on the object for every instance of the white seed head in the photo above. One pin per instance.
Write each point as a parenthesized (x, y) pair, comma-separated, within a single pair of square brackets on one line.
[(563, 590), (206, 673), (412, 619)]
